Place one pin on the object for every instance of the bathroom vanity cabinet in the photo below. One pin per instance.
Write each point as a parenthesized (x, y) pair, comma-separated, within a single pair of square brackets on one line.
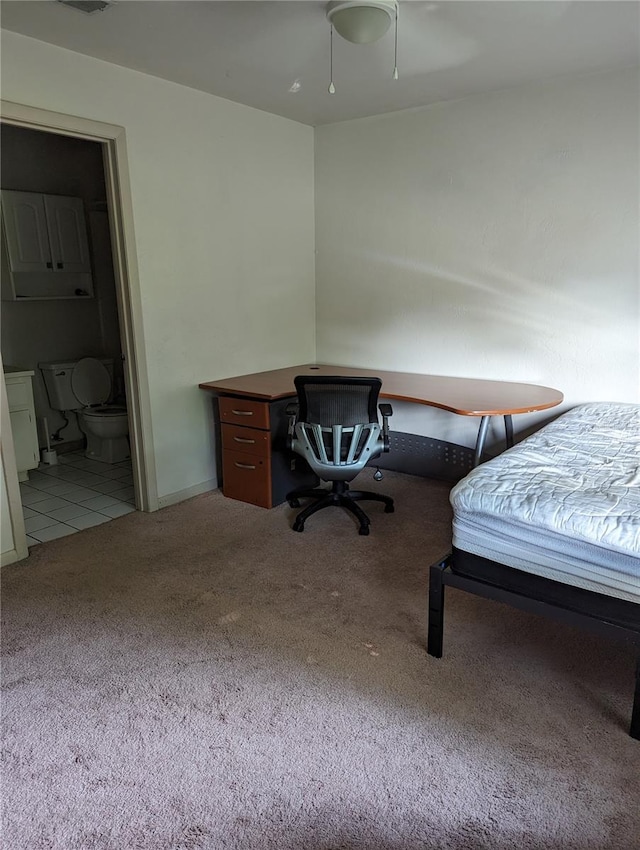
[(45, 249), (23, 419)]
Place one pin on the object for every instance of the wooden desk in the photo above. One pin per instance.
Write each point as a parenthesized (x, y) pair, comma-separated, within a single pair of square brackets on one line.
[(256, 468)]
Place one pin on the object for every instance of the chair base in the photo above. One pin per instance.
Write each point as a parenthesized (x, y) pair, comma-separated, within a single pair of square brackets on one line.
[(340, 496)]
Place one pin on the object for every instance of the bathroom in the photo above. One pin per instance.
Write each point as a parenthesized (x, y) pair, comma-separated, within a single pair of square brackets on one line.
[(65, 330)]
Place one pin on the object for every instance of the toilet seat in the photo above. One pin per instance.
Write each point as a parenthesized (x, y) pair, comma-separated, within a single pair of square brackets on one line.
[(90, 382), (105, 410)]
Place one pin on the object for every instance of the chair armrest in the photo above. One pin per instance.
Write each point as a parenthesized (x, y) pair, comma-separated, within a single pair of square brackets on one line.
[(291, 411), (386, 411)]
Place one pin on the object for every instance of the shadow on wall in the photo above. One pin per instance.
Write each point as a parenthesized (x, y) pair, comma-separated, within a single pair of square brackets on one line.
[(490, 326), (434, 321)]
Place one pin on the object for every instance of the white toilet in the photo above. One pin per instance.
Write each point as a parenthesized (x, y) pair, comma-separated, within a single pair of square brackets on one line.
[(84, 386)]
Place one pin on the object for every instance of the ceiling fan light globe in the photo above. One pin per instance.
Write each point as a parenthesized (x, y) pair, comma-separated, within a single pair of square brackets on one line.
[(361, 22)]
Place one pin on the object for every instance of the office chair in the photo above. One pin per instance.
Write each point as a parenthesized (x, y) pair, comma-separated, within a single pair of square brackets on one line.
[(334, 426)]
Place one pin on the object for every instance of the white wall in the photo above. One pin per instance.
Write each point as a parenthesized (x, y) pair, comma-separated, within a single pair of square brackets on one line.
[(492, 237), (223, 213)]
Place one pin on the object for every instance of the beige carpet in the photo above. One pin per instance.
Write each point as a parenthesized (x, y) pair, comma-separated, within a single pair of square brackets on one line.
[(204, 677)]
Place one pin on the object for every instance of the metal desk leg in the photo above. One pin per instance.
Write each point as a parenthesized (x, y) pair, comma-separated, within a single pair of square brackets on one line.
[(508, 430), (482, 436)]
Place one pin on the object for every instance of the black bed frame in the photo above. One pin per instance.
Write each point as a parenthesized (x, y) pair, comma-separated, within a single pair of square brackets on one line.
[(605, 615)]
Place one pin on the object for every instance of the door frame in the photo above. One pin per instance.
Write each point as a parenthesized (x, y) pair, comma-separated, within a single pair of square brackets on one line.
[(11, 489), (129, 301)]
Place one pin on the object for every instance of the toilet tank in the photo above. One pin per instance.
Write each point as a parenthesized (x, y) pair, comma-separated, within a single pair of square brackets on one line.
[(57, 380)]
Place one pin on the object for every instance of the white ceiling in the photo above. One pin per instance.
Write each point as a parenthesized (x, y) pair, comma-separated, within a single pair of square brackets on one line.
[(254, 52)]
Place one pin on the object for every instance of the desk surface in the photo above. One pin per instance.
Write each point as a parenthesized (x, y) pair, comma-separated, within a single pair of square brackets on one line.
[(464, 396)]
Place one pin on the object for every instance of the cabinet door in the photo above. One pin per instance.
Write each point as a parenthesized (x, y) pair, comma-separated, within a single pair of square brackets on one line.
[(67, 234), (25, 226), (25, 439)]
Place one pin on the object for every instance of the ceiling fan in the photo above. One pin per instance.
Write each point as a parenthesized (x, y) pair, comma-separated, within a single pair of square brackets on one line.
[(362, 22)]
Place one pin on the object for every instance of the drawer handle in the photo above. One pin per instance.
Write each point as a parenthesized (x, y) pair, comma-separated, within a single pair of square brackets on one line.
[(242, 412), (244, 440), (245, 465)]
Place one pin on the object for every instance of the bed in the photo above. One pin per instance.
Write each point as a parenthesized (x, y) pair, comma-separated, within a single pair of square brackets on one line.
[(552, 526)]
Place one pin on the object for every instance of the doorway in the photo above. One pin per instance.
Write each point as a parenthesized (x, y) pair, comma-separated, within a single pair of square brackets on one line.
[(109, 329)]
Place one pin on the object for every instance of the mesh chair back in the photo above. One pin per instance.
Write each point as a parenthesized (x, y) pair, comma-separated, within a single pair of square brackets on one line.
[(327, 401), (337, 429)]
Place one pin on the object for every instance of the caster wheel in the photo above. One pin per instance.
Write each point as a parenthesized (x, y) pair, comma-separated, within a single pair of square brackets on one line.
[(294, 503), (298, 526), (389, 509), (364, 530)]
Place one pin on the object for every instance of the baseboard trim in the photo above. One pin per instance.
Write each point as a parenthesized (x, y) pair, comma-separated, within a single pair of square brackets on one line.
[(189, 493), (426, 457), (408, 453), (12, 557)]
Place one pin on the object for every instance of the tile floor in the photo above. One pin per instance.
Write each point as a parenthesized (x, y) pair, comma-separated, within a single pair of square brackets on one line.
[(77, 493)]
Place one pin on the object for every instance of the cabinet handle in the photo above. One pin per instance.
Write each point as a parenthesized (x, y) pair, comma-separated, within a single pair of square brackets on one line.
[(60, 265), (49, 265), (245, 465), (242, 412), (243, 440)]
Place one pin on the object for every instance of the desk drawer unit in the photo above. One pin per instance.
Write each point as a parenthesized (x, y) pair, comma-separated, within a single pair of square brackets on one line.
[(256, 465), (246, 450), (247, 477)]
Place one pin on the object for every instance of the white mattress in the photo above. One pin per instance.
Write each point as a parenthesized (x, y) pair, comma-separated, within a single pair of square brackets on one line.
[(563, 504)]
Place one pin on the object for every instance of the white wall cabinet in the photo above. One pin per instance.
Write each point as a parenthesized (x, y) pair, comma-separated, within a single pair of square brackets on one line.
[(45, 247), (23, 420)]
